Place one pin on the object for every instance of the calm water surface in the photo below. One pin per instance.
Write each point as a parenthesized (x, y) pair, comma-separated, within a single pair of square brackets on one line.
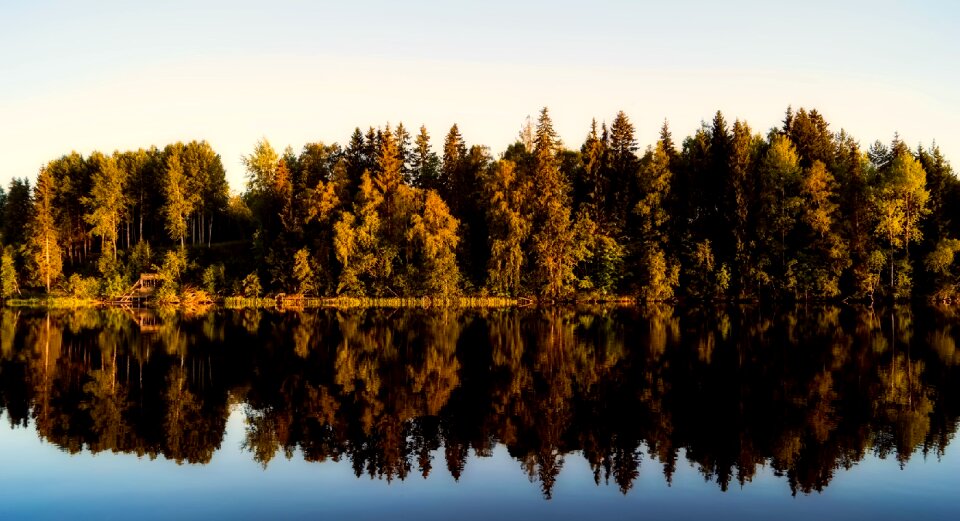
[(587, 413)]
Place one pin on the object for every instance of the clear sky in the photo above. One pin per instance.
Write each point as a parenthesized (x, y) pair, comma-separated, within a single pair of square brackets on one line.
[(119, 75)]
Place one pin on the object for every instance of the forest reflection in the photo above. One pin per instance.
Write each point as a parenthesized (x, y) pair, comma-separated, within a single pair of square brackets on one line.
[(806, 391)]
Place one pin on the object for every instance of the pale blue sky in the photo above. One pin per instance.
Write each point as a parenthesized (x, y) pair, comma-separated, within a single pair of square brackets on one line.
[(116, 75)]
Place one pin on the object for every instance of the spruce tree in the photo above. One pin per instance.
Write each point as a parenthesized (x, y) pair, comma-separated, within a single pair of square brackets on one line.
[(424, 163), (554, 253)]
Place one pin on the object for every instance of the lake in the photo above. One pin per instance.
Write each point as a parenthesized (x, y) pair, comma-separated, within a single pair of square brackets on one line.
[(733, 412)]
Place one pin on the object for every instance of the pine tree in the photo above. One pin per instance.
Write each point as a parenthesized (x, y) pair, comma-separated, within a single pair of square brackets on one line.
[(554, 253), (46, 262), (396, 195), (658, 273), (16, 206), (454, 152), (424, 163), (622, 163), (592, 183), (810, 133), (402, 138), (357, 160)]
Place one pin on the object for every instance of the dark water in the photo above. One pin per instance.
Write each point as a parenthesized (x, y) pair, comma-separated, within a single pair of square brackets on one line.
[(626, 413)]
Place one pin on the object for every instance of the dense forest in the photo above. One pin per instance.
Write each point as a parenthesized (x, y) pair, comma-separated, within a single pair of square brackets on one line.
[(727, 214)]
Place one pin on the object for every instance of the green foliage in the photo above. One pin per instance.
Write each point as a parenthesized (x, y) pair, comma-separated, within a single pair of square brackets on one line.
[(802, 213), (170, 272), (43, 243), (900, 200), (356, 241), (661, 276), (250, 286), (8, 273), (940, 263), (16, 206), (825, 256), (140, 259), (433, 237), (214, 279), (113, 285), (106, 201), (705, 279), (179, 204), (303, 276), (601, 261), (552, 246), (780, 203), (81, 287), (505, 194)]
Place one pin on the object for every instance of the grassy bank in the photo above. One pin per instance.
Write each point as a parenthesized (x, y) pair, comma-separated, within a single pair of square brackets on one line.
[(369, 302), (51, 302)]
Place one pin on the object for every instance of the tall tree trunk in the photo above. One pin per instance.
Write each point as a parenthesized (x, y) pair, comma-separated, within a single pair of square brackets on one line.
[(141, 216), (46, 265)]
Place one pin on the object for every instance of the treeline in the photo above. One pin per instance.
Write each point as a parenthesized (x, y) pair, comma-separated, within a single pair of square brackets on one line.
[(800, 213)]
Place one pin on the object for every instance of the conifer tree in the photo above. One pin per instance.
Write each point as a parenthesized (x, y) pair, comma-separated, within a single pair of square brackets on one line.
[(424, 163), (658, 273), (592, 182), (357, 160), (395, 195), (622, 165), (16, 206), (402, 138), (454, 152), (810, 133), (43, 243), (554, 251)]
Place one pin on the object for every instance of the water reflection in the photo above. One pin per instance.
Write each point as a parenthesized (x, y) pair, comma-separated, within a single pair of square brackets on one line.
[(807, 392)]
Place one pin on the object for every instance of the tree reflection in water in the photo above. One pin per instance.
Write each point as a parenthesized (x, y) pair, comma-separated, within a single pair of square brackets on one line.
[(806, 391)]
